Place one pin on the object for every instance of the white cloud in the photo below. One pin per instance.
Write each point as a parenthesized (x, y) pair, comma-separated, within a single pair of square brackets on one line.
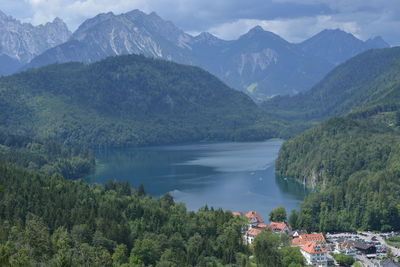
[(73, 12), (295, 20)]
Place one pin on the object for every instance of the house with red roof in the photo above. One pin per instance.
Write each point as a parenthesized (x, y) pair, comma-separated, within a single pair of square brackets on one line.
[(314, 254), (317, 238), (251, 235), (279, 227), (254, 218), (297, 233)]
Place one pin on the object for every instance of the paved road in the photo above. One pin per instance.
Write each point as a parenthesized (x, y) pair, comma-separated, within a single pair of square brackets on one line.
[(395, 250), (366, 262), (367, 236)]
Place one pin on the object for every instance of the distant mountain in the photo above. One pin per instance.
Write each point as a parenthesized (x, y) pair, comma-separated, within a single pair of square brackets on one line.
[(260, 63), (127, 100), (336, 46), (368, 79), (20, 42), (353, 159), (264, 64), (110, 35)]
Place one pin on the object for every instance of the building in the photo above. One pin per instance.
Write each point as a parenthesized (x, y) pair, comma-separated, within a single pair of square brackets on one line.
[(297, 233), (346, 248), (235, 213), (314, 254), (303, 239), (367, 249), (254, 219), (251, 234), (279, 227)]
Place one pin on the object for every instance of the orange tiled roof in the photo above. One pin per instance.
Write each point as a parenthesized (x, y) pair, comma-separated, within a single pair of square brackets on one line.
[(312, 248), (277, 226), (253, 231), (252, 214), (262, 226), (302, 239), (235, 213)]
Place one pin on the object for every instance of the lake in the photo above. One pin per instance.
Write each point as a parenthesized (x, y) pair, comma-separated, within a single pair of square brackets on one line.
[(234, 176)]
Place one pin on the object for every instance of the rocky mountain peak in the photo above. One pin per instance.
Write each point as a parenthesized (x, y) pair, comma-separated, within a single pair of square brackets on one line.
[(337, 46), (206, 37), (377, 42), (257, 28), (20, 42), (259, 32), (58, 21)]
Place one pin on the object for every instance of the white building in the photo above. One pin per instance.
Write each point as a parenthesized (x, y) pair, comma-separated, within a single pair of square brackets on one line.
[(250, 235), (314, 254)]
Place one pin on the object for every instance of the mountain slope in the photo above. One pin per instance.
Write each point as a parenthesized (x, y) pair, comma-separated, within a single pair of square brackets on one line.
[(336, 46), (264, 64), (127, 100), (368, 79), (352, 160), (109, 35), (20, 42), (72, 223)]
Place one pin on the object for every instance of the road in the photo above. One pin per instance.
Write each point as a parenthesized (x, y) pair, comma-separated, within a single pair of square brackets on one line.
[(366, 236), (396, 251)]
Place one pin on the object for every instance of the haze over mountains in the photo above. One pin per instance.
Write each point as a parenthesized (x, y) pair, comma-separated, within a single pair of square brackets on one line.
[(259, 63), (368, 79), (352, 157)]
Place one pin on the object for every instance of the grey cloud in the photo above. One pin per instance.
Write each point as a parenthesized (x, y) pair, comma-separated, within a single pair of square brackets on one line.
[(293, 19)]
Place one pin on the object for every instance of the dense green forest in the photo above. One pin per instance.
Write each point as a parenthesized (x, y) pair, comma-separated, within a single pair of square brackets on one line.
[(369, 79), (354, 163), (127, 100), (46, 157), (49, 221)]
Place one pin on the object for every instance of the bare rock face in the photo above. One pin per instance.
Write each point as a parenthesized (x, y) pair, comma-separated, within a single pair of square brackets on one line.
[(111, 35), (260, 63), (21, 42)]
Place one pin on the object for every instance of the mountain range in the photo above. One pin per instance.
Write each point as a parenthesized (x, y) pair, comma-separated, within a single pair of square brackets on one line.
[(21, 42), (260, 63)]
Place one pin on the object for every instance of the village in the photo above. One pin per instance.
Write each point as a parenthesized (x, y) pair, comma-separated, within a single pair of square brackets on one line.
[(365, 248)]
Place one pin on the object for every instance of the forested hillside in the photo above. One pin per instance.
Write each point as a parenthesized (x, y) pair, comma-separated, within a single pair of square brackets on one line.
[(127, 100), (46, 156), (364, 81), (49, 221), (354, 163)]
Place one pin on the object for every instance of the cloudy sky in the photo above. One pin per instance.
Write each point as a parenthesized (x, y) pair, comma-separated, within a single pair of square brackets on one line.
[(294, 20)]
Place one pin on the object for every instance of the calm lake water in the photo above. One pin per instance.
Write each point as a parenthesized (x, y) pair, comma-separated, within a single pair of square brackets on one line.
[(234, 176)]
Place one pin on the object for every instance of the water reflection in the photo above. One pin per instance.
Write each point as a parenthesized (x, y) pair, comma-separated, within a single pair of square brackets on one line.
[(235, 176)]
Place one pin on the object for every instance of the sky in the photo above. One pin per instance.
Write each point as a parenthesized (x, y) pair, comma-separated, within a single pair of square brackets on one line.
[(294, 20)]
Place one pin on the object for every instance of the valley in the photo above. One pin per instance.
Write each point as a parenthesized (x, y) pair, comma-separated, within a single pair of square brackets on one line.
[(131, 142)]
